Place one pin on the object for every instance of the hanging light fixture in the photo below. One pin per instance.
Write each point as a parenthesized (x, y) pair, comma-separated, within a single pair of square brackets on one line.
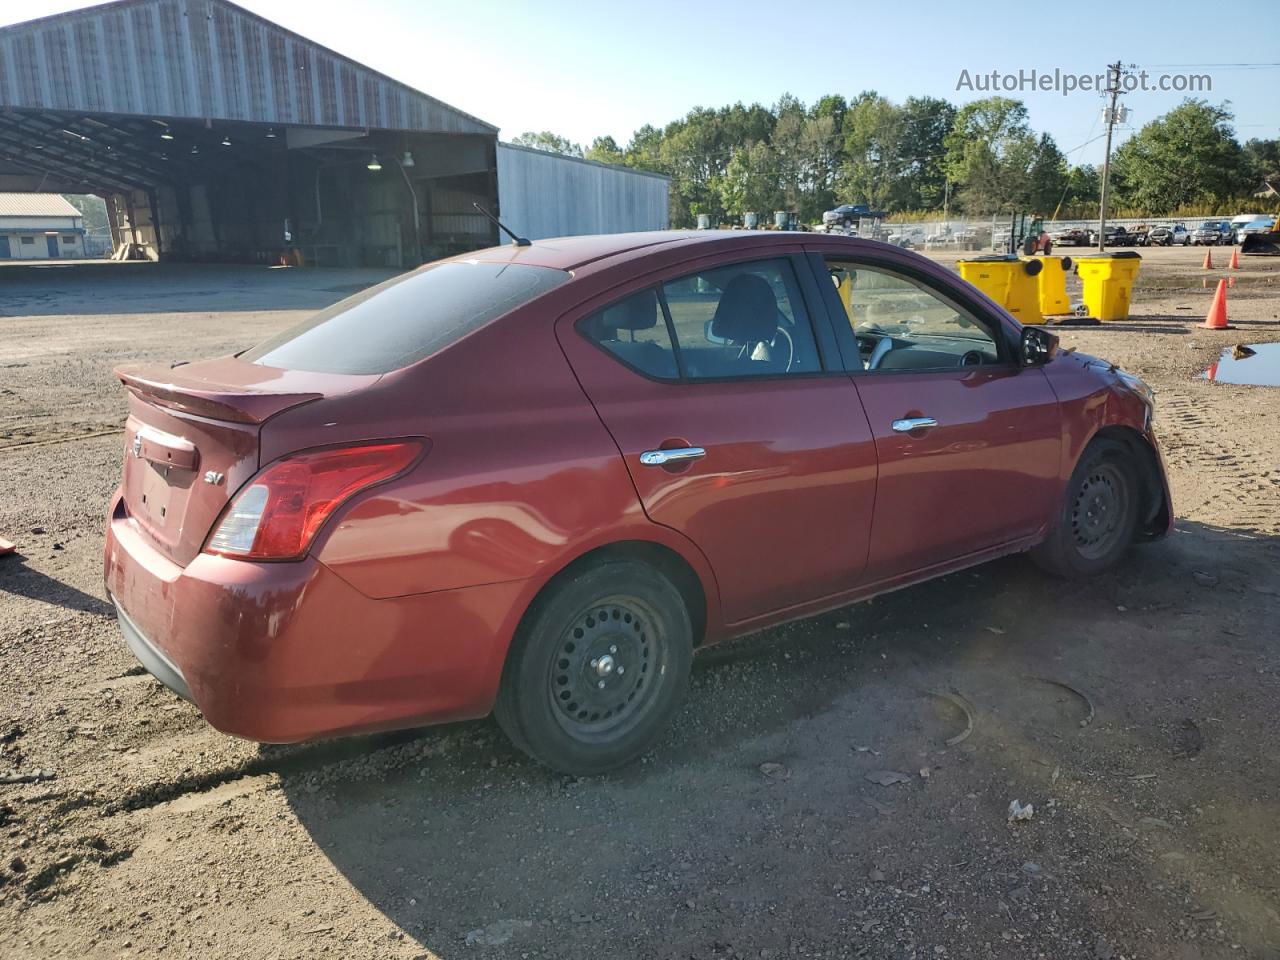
[(271, 133), (195, 149), (374, 164), (408, 160), (226, 141), (166, 134)]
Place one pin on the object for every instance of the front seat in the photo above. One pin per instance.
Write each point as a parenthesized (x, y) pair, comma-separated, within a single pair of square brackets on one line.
[(747, 315)]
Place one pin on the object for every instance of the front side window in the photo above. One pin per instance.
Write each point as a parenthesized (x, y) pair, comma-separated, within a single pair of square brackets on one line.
[(900, 324)]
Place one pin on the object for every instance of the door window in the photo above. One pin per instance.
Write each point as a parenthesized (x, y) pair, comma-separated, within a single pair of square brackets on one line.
[(902, 325), (635, 331), (725, 323), (742, 320)]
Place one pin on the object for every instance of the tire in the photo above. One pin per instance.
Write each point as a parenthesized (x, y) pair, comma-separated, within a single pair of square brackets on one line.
[(1099, 515), (584, 693)]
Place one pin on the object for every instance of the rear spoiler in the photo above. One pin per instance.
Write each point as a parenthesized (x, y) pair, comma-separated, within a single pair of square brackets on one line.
[(190, 394)]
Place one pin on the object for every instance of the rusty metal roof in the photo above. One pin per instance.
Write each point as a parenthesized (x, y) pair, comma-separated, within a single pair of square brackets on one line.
[(36, 205), (204, 59)]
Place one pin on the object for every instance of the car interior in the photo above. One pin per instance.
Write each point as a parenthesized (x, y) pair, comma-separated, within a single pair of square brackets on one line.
[(729, 323), (901, 326), (740, 321)]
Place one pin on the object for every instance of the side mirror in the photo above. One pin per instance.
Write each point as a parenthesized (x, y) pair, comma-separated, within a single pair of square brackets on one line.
[(1038, 346)]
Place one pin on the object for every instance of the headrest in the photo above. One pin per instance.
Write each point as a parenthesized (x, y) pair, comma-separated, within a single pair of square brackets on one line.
[(748, 310), (638, 312)]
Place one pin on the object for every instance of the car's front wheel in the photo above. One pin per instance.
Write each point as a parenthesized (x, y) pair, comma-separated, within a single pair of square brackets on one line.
[(597, 669), (1099, 514)]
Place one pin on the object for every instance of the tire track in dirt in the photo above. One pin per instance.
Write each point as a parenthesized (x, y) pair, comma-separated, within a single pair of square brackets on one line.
[(1238, 483)]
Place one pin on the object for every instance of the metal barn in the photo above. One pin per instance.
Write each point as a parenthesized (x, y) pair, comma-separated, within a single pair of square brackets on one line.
[(215, 134), (588, 197)]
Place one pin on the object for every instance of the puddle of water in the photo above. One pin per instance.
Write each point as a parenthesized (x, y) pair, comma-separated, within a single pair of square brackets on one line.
[(1260, 370)]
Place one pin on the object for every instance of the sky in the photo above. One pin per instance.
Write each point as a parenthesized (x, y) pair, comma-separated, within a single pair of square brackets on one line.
[(587, 69)]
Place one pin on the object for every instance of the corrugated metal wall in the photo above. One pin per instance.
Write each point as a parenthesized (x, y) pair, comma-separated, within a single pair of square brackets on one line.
[(547, 195), (203, 59)]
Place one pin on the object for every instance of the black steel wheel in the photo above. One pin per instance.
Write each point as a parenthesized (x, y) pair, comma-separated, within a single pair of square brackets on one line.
[(1099, 514), (1099, 511), (597, 683), (598, 666)]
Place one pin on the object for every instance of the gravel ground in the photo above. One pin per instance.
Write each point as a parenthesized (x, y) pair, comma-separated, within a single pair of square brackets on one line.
[(811, 799)]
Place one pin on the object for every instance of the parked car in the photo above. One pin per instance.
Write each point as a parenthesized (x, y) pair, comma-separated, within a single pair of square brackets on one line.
[(1071, 237), (1141, 235), (1238, 224), (1260, 225), (534, 479), (1211, 233), (1116, 237), (1169, 235)]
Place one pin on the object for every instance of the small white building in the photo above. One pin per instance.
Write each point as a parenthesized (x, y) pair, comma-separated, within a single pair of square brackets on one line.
[(39, 226)]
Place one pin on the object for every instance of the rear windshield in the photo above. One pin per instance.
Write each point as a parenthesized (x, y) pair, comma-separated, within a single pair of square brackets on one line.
[(403, 320)]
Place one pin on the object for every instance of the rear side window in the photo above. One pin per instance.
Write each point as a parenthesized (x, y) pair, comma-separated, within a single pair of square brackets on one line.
[(725, 323), (635, 331), (406, 319)]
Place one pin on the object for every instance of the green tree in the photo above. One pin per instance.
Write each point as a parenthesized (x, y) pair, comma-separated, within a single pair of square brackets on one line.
[(551, 142), (1047, 178), (926, 122), (93, 209), (1084, 190), (1187, 156), (750, 182), (605, 150), (1261, 161), (871, 172), (821, 152), (989, 153)]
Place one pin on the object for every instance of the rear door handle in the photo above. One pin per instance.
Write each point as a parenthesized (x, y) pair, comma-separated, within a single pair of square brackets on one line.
[(658, 458), (913, 423)]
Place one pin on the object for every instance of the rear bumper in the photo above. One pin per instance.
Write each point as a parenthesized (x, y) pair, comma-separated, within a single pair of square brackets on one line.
[(281, 652), (151, 657)]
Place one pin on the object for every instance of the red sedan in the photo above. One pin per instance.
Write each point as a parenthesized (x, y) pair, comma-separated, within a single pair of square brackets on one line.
[(535, 479)]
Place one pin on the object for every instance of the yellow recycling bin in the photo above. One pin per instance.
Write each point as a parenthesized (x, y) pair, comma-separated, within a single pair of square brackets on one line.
[(1108, 283), (1009, 281), (1052, 287)]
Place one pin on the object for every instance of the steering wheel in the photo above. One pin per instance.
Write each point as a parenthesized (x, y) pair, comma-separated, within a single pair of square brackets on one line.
[(882, 348), (972, 358), (791, 347)]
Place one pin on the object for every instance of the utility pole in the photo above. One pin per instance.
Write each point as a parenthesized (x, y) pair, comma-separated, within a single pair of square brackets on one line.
[(1109, 113)]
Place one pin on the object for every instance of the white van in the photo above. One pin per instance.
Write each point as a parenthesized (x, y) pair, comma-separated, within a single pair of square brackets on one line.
[(1249, 223)]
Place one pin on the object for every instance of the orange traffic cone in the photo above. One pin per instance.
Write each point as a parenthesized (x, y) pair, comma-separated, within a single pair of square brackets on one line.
[(1217, 317), (1235, 259), (1208, 260)]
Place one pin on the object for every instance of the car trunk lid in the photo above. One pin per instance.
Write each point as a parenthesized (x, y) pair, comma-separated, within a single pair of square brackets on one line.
[(192, 439)]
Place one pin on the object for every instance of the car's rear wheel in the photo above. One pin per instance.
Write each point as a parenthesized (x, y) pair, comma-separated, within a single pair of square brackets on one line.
[(1099, 514), (597, 669)]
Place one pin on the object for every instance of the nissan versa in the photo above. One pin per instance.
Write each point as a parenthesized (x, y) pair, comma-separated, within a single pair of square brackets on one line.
[(534, 479)]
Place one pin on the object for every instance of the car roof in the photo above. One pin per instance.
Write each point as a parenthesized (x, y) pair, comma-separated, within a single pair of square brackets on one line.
[(569, 253)]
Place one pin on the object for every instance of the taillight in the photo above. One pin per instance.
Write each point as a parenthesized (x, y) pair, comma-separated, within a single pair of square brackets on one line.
[(276, 516)]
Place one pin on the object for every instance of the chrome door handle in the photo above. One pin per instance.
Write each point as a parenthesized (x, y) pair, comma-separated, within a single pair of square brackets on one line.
[(913, 423), (658, 458)]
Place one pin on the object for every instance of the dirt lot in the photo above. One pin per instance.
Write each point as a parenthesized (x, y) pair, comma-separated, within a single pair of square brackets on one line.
[(1156, 827)]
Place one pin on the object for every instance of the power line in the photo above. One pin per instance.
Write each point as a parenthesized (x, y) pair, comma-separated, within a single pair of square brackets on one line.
[(1209, 66)]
